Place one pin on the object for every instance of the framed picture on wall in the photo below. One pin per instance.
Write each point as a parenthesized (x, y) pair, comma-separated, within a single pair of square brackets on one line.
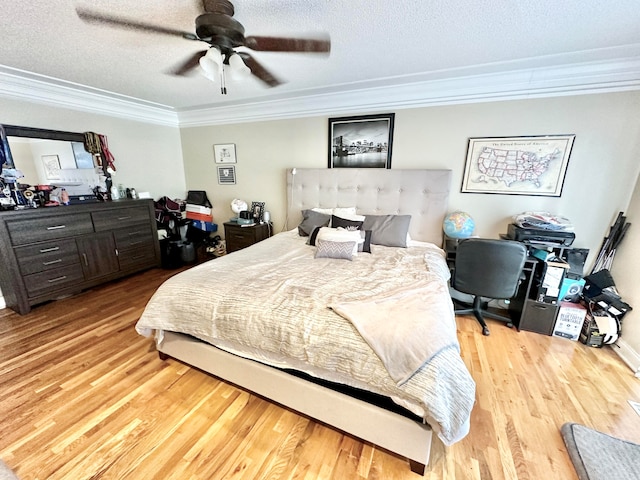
[(51, 164), (225, 153), (533, 165), (361, 142), (227, 175)]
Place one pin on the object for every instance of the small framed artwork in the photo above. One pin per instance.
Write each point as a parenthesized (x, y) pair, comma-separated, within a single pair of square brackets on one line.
[(361, 142), (227, 175), (258, 211), (225, 153), (51, 165), (533, 165)]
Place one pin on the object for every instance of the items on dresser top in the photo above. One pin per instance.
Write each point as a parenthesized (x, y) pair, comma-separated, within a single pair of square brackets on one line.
[(52, 252)]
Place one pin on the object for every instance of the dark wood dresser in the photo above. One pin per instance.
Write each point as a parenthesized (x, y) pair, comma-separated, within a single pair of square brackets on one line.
[(238, 236), (47, 253)]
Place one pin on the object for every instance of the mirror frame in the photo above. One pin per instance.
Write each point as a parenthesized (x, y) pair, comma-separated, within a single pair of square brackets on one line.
[(30, 132)]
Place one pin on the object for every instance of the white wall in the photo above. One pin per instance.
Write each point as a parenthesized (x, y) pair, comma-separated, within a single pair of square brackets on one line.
[(148, 157), (626, 266), (600, 177)]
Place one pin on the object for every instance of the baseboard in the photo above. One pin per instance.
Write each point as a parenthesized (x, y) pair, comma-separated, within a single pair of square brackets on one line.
[(628, 355)]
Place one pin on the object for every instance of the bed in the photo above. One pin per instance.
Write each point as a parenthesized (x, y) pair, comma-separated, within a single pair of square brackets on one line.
[(335, 338)]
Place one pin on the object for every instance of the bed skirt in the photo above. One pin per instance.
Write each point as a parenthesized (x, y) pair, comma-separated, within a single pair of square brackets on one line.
[(379, 426)]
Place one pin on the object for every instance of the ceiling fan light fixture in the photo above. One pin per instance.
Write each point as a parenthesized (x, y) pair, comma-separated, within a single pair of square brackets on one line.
[(211, 64), (239, 70)]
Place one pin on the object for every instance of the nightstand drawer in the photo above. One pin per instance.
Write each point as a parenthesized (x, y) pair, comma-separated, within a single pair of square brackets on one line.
[(238, 237), (48, 228), (47, 256)]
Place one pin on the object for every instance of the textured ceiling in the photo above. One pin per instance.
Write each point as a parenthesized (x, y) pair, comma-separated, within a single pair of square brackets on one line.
[(374, 43)]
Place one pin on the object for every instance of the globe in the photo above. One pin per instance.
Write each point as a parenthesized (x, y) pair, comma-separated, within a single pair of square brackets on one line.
[(458, 225)]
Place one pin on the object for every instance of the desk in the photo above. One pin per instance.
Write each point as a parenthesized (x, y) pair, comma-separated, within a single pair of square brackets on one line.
[(526, 312)]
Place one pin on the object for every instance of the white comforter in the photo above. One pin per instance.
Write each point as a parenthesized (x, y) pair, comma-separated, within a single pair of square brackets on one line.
[(270, 302)]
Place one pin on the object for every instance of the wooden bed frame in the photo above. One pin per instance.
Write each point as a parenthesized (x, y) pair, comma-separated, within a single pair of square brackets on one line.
[(420, 193)]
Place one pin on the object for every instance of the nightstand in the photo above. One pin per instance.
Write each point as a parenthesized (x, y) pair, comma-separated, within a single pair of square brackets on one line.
[(238, 236)]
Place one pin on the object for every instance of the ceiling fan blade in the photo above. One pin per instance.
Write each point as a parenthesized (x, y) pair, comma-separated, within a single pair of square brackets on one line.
[(282, 44), (99, 18), (259, 71), (189, 64)]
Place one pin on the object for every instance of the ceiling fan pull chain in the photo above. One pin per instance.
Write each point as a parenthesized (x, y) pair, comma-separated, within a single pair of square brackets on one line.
[(223, 81)]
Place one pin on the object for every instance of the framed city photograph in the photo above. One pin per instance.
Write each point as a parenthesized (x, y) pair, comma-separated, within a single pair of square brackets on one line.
[(361, 142), (225, 153), (533, 165)]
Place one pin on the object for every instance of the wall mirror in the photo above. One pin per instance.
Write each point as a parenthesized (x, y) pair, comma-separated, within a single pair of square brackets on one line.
[(52, 157)]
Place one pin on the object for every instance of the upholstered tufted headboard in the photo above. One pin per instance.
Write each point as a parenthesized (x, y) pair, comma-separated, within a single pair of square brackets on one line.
[(423, 194)]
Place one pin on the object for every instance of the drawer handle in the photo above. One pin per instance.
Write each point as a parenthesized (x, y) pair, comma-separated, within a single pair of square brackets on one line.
[(124, 218), (57, 279), (57, 227), (136, 233), (46, 250), (52, 262), (135, 257), (84, 257), (136, 243)]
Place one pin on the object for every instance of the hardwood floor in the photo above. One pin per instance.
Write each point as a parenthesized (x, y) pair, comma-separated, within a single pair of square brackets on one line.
[(82, 396)]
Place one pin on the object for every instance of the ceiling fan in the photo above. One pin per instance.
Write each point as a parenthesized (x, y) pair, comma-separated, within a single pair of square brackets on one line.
[(224, 34)]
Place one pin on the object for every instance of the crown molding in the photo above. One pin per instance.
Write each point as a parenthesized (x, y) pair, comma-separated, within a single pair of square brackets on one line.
[(442, 88), (584, 78), (20, 85)]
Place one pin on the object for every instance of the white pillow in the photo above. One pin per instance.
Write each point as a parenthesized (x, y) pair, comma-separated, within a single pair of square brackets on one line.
[(351, 216), (340, 235), (338, 211)]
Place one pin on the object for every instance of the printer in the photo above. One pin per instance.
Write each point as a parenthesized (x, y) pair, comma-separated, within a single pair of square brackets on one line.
[(540, 236)]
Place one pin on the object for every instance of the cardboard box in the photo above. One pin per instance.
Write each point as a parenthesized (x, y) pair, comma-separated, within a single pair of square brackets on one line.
[(199, 216), (590, 335), (205, 226), (569, 321), (551, 274), (198, 209)]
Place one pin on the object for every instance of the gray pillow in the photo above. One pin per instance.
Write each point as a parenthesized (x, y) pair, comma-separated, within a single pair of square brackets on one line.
[(311, 220), (389, 230), (340, 250)]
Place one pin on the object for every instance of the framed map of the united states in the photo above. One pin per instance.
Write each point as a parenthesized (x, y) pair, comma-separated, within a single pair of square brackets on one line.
[(533, 165)]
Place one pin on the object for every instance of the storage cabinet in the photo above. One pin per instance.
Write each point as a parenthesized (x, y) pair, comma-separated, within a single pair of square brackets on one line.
[(238, 236), (50, 252)]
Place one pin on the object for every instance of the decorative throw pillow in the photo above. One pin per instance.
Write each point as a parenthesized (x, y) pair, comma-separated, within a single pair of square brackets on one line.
[(389, 230), (339, 250), (348, 224), (312, 219), (365, 246), (340, 235)]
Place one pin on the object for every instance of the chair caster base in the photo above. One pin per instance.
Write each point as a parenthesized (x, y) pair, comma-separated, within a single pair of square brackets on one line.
[(485, 331), (510, 325)]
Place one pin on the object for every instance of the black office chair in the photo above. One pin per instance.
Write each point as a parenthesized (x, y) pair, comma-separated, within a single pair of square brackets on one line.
[(487, 268)]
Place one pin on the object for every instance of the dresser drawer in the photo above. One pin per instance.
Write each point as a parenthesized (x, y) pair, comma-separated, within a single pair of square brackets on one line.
[(49, 281), (134, 237), (25, 231), (47, 256), (121, 217), (135, 257)]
